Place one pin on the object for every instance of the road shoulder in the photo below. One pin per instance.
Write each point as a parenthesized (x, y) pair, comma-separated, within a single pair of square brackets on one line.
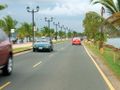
[(108, 73)]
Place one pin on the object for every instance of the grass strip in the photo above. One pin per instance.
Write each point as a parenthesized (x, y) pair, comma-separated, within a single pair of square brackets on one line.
[(108, 57), (17, 50)]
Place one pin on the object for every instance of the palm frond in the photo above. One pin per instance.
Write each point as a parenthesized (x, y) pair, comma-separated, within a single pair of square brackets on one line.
[(118, 4), (109, 4), (3, 6)]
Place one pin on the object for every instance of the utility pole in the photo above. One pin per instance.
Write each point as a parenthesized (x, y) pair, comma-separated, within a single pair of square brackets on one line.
[(56, 25), (49, 21), (101, 32), (33, 11)]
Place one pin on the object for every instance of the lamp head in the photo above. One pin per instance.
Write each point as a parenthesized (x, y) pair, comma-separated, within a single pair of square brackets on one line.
[(37, 8), (28, 8), (45, 18)]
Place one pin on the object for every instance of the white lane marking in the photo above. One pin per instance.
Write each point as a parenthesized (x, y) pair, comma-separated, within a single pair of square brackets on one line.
[(5, 85), (37, 64), (51, 55), (64, 47), (101, 72)]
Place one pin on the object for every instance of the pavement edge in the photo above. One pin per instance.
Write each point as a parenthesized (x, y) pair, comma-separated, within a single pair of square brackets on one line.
[(100, 70)]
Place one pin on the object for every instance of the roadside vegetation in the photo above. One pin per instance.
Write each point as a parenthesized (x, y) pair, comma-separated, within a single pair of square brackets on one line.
[(111, 56), (98, 29), (18, 50)]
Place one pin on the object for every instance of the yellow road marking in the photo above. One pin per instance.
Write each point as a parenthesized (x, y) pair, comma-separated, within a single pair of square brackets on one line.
[(37, 64), (22, 53), (5, 85), (101, 72)]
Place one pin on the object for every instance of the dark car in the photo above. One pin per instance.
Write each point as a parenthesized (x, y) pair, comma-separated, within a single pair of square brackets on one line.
[(43, 44), (6, 55)]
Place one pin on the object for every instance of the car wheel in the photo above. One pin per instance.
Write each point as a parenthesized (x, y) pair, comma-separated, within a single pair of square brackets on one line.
[(49, 50), (34, 50), (7, 70), (52, 49)]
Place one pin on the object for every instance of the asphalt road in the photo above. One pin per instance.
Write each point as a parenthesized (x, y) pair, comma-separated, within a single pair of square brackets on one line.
[(66, 68)]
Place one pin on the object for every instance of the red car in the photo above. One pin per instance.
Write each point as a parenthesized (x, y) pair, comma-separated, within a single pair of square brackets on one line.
[(6, 55), (76, 41)]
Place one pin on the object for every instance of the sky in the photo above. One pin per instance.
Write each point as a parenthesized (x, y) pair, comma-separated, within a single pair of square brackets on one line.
[(69, 13)]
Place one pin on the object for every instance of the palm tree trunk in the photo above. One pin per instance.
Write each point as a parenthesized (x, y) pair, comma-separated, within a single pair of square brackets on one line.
[(101, 46)]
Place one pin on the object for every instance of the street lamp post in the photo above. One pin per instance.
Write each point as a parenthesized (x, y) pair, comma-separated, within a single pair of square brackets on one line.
[(12, 31), (56, 24), (33, 11), (49, 21)]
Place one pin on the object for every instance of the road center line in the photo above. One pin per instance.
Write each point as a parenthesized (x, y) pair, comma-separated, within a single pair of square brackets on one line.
[(37, 64), (5, 85)]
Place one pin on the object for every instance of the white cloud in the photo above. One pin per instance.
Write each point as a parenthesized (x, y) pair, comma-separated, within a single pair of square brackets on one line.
[(62, 7), (69, 9)]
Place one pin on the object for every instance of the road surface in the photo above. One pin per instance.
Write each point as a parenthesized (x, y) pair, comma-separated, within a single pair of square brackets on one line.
[(66, 68)]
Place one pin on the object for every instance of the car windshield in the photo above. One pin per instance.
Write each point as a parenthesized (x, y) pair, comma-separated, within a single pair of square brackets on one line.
[(42, 40), (76, 38)]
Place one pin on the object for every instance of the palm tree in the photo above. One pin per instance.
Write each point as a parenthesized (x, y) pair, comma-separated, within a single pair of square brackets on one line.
[(111, 5), (45, 31), (69, 34), (92, 23), (61, 34), (52, 32), (113, 8), (25, 30), (8, 23), (1, 8)]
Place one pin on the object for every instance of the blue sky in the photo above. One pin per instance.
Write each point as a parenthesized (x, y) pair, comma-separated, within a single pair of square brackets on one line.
[(68, 12)]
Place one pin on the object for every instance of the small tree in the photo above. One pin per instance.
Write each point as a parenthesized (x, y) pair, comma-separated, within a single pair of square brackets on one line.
[(25, 30), (8, 23), (45, 31), (93, 24)]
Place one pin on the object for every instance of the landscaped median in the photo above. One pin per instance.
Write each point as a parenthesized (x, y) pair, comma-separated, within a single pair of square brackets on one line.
[(21, 49), (17, 48), (110, 57)]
